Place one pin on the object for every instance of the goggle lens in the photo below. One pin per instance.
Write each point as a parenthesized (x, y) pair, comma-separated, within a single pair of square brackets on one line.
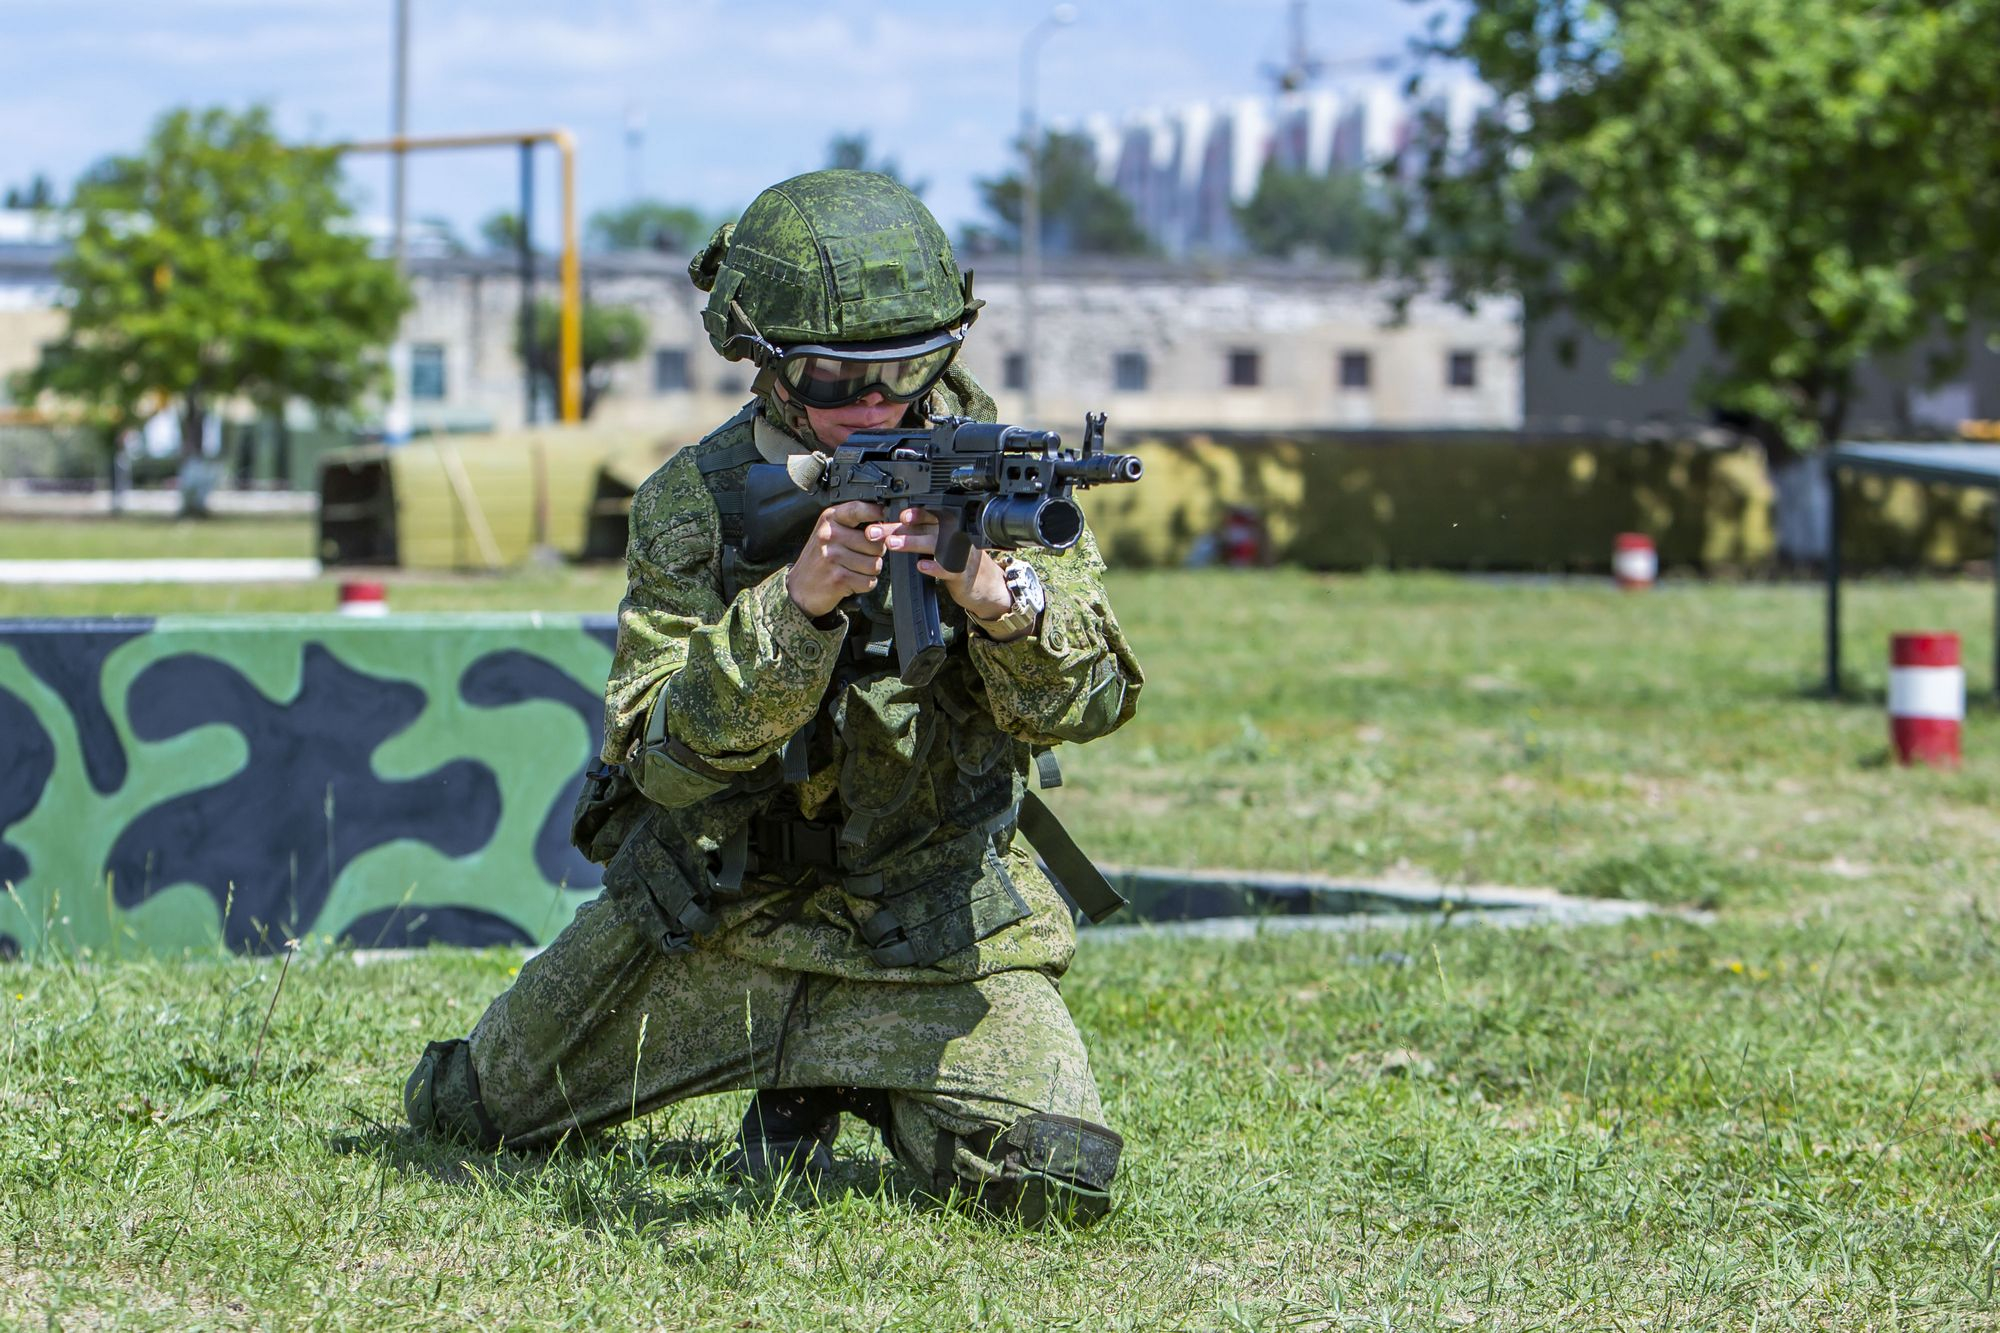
[(831, 381)]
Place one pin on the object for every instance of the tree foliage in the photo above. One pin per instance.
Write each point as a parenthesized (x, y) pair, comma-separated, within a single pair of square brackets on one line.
[(611, 334), (648, 224), (216, 264), (500, 232), (1080, 214), (1294, 211), (1812, 181), (852, 152), (36, 194)]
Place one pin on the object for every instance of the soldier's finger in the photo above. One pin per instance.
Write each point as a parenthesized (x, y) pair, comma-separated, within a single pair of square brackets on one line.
[(853, 513), (920, 540), (849, 539), (857, 562)]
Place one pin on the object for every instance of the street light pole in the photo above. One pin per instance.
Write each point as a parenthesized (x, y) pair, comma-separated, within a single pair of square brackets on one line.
[(396, 423), (1031, 198)]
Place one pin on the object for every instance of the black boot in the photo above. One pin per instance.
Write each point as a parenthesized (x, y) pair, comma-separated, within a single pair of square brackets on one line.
[(788, 1131)]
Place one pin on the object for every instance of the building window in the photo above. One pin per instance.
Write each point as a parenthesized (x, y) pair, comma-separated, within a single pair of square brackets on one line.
[(1014, 371), (1462, 372), (1244, 370), (670, 370), (1128, 371), (427, 371), (729, 382), (1354, 370)]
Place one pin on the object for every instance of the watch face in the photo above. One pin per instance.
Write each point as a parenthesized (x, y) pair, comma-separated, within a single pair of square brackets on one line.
[(1026, 586)]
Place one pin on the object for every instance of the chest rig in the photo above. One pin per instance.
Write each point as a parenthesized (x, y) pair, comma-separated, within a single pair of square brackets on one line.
[(905, 797)]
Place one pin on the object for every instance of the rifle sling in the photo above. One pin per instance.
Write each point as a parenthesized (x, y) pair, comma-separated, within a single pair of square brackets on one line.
[(1078, 880)]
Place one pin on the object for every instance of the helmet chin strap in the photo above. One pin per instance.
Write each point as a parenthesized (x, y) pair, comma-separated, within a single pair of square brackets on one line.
[(789, 416)]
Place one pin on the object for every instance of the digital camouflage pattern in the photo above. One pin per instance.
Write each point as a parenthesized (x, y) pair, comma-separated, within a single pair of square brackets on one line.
[(194, 782), (924, 963), (830, 256)]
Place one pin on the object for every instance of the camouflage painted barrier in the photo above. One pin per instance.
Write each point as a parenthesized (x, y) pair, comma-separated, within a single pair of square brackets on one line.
[(187, 783)]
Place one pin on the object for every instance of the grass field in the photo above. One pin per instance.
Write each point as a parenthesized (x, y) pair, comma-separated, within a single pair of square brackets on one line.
[(1785, 1115), (144, 537)]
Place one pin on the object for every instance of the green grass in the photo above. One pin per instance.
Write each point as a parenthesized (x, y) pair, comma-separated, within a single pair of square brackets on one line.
[(151, 538), (1662, 1125), (1785, 1117)]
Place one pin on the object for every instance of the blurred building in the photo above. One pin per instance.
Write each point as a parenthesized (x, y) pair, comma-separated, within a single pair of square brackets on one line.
[(1186, 169), (30, 313), (1247, 345), (1223, 344)]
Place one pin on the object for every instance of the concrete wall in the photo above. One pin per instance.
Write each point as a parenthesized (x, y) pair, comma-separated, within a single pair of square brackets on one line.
[(1184, 321)]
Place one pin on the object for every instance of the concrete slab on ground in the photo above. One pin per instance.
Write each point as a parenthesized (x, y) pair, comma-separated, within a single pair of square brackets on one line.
[(1163, 895), (159, 571)]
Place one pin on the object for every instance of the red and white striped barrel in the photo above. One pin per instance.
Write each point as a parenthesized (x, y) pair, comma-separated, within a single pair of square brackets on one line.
[(1926, 698), (363, 598), (1634, 561)]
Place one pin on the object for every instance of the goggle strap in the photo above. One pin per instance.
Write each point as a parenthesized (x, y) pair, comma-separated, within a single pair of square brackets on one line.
[(742, 328), (973, 305)]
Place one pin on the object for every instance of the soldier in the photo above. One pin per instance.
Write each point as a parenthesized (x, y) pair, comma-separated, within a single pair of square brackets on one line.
[(813, 884)]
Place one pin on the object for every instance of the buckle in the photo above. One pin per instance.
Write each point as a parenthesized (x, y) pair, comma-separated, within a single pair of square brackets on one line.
[(600, 776), (797, 842)]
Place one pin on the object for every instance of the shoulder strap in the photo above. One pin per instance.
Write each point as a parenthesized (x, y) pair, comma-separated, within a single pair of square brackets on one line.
[(1083, 883)]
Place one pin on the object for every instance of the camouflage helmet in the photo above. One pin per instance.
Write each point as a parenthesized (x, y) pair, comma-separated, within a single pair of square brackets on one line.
[(829, 257)]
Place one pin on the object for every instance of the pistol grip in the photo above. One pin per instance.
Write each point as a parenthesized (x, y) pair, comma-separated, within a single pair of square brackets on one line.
[(954, 543)]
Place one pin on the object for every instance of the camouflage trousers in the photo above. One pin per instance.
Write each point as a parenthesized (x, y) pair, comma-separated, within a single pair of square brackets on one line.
[(986, 1079)]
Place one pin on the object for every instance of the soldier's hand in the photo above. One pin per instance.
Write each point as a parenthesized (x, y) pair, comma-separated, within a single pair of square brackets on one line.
[(839, 560), (981, 587)]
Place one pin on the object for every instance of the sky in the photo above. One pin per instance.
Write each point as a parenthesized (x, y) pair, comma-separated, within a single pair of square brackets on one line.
[(732, 95)]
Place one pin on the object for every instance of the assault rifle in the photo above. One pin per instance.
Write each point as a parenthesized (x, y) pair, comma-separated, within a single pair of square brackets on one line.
[(992, 486)]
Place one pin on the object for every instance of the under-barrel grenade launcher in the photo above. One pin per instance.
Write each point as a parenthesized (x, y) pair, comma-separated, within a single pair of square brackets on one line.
[(992, 486)]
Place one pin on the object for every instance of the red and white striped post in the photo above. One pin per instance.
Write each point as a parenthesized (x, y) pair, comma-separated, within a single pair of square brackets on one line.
[(1634, 561), (1926, 698), (360, 597)]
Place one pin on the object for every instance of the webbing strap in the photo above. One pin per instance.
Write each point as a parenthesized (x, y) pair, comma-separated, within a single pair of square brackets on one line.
[(736, 455), (1067, 865), (1048, 769), (729, 504)]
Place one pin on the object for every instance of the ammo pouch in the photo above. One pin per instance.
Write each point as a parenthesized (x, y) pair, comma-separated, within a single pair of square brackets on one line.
[(647, 863), (939, 899)]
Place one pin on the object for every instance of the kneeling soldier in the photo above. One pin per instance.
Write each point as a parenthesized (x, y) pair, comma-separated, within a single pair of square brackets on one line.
[(813, 885)]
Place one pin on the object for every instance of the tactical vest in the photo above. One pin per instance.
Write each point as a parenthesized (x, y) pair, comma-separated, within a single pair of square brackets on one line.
[(927, 797)]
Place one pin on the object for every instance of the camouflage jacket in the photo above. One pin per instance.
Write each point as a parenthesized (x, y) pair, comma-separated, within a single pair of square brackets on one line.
[(913, 790)]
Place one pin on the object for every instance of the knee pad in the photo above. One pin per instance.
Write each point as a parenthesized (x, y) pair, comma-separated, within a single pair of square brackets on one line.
[(441, 1096), (1045, 1166)]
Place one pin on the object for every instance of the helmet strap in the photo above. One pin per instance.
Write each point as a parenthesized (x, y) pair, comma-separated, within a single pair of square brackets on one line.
[(790, 416)]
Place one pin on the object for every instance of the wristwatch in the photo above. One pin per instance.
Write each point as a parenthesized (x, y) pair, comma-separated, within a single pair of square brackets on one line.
[(1029, 602)]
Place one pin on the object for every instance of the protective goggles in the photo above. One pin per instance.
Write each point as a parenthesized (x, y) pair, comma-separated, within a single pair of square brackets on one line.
[(836, 374)]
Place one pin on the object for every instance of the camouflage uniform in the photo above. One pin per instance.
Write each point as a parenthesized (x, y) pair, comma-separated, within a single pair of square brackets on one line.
[(822, 887)]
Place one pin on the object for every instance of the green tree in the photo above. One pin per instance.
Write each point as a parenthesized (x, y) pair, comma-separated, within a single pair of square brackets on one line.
[(647, 224), (444, 234), (1814, 182), (501, 232), (37, 194), (611, 334), (1080, 214), (1294, 211), (851, 152), (217, 264)]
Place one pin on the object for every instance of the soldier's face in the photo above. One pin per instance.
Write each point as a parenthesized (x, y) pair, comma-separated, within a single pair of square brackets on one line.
[(832, 425)]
